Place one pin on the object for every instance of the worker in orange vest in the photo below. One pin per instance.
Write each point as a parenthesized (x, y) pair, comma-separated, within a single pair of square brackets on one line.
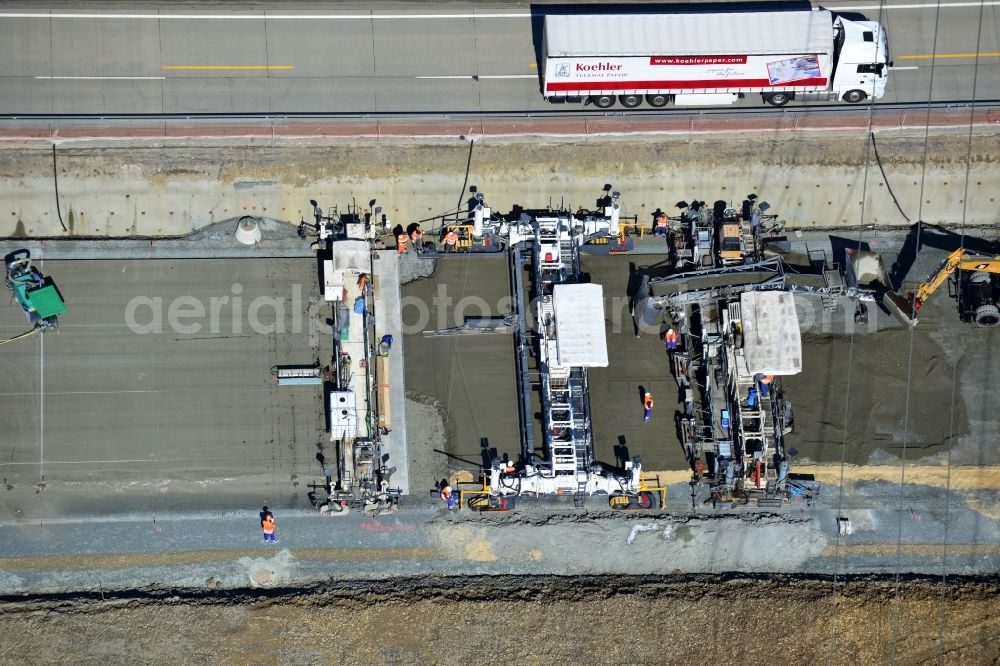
[(402, 243), (268, 525), (670, 338), (661, 224), (765, 384), (450, 241), (447, 495), (647, 405), (416, 237)]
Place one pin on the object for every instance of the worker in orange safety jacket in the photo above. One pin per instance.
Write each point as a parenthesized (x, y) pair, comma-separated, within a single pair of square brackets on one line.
[(416, 235), (660, 228), (268, 525), (671, 340)]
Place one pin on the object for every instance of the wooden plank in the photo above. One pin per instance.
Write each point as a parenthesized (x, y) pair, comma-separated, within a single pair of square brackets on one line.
[(384, 394)]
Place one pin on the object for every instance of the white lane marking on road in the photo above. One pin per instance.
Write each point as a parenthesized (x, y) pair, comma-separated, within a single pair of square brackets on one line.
[(482, 76), (369, 17), (21, 326), (258, 17), (233, 389), (133, 460), (11, 395), (41, 407), (929, 5), (103, 78), (896, 69)]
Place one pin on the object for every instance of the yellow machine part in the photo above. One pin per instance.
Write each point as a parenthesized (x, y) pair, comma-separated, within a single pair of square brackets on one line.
[(957, 260)]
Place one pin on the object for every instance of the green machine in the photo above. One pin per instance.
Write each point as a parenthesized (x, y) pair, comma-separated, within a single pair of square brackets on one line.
[(37, 295)]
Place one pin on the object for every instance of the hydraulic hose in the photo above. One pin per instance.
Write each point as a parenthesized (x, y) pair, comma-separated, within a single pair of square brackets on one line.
[(26, 334)]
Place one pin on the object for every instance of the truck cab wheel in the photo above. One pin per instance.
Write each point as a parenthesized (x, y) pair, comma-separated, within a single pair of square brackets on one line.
[(777, 98), (630, 101), (657, 100), (602, 101), (855, 96), (987, 316)]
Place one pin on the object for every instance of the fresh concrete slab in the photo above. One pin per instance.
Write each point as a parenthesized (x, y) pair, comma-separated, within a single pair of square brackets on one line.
[(192, 401), (389, 322)]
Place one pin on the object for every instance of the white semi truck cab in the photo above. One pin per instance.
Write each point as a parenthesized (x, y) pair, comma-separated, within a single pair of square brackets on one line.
[(712, 57), (861, 60)]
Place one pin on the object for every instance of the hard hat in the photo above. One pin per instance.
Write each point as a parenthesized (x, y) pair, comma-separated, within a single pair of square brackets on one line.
[(649, 394), (670, 330)]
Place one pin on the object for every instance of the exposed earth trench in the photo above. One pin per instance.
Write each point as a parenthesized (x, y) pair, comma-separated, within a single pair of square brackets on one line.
[(605, 619)]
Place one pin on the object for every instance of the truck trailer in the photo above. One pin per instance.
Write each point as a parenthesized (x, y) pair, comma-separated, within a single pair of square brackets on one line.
[(712, 57)]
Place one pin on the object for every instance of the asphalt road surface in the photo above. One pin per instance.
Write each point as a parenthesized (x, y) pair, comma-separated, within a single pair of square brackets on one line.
[(164, 58)]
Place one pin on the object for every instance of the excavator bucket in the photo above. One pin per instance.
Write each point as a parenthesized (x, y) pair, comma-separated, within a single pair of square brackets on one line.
[(865, 269), (901, 308)]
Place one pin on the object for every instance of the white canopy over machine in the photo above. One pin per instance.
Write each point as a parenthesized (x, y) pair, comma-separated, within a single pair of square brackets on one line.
[(347, 256), (771, 339), (580, 336)]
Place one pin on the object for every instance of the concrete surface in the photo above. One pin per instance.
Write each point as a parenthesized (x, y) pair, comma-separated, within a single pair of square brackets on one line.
[(811, 181), (86, 57), (194, 403), (921, 530), (470, 377), (616, 400), (389, 322)]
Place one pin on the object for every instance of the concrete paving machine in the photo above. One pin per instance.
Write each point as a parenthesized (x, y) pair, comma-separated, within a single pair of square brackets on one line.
[(553, 357)]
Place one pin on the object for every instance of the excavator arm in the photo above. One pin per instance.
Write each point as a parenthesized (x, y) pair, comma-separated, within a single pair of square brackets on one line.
[(905, 309), (944, 271)]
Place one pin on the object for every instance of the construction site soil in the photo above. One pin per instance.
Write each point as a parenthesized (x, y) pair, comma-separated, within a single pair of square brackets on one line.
[(526, 620)]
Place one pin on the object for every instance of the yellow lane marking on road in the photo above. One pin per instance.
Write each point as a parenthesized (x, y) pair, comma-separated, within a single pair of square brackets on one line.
[(118, 561), (225, 67), (934, 56)]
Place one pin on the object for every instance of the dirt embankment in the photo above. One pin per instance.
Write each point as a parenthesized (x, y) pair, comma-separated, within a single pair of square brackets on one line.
[(673, 620)]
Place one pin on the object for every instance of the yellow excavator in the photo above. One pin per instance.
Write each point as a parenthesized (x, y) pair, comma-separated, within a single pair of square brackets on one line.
[(976, 289)]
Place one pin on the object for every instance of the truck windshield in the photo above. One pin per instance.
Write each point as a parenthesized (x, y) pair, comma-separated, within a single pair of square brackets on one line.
[(876, 68)]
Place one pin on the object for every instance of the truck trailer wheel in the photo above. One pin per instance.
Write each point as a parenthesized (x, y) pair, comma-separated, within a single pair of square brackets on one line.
[(855, 96), (657, 100), (987, 316), (602, 101), (777, 98), (630, 101)]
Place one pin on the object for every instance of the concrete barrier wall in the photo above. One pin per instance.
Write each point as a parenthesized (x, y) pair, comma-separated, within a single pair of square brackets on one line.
[(811, 180)]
